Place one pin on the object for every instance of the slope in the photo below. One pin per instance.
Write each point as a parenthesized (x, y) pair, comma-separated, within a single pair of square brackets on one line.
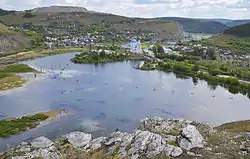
[(42, 17), (236, 39), (237, 22), (11, 41), (240, 31), (198, 25)]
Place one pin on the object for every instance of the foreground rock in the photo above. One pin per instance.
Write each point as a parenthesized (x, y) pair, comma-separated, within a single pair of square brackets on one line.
[(191, 138), (155, 137)]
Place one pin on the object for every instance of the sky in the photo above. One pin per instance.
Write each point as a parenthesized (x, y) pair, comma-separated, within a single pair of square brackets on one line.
[(232, 9)]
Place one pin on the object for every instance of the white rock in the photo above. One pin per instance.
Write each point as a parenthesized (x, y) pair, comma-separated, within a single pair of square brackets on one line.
[(191, 138), (41, 142), (78, 139), (172, 151)]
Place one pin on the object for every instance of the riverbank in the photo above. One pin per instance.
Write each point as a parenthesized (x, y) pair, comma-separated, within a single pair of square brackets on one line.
[(21, 56), (9, 78), (14, 126), (154, 138), (191, 66)]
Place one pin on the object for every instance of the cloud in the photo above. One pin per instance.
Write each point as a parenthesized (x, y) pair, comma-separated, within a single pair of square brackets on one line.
[(234, 9)]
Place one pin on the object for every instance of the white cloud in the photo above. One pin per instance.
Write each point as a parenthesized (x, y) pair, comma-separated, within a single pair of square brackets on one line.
[(234, 9)]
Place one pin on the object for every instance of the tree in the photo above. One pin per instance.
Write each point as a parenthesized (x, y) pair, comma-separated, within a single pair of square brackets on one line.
[(211, 53), (102, 54), (160, 49), (28, 14), (196, 67)]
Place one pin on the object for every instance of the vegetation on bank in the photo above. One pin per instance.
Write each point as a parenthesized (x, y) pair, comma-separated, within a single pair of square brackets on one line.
[(98, 57), (208, 68), (8, 77), (63, 51), (14, 126)]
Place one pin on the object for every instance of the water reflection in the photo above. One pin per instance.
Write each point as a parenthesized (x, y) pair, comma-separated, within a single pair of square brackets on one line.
[(101, 98)]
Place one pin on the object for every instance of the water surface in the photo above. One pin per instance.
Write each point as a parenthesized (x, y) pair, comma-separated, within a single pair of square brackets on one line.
[(101, 98)]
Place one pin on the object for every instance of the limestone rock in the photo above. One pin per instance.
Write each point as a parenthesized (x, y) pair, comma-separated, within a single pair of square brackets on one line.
[(78, 139), (160, 125), (95, 144), (172, 151), (191, 138), (41, 142)]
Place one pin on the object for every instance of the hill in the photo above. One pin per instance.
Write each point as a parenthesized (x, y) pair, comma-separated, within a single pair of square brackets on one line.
[(198, 25), (4, 30), (5, 12), (236, 39), (237, 22), (11, 41), (58, 9), (40, 16), (240, 31)]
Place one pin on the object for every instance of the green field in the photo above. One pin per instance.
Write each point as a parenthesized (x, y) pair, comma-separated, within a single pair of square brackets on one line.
[(228, 42)]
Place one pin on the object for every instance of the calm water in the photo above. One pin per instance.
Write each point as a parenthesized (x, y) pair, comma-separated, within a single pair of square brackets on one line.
[(101, 98)]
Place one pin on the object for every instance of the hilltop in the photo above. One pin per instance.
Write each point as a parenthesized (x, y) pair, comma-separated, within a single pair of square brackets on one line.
[(59, 9), (198, 25), (5, 12)]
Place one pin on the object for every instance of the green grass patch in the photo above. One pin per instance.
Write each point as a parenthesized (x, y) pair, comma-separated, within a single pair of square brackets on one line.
[(228, 42), (16, 68), (239, 126), (63, 51), (88, 58), (14, 126)]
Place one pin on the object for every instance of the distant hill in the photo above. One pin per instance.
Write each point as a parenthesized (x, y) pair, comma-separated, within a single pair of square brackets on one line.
[(59, 9), (11, 41), (5, 12), (44, 16), (240, 31), (198, 25), (238, 22), (236, 39)]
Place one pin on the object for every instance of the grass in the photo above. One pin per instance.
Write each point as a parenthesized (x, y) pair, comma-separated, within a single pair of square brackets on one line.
[(8, 77), (11, 81), (62, 51), (228, 42), (17, 68), (4, 30), (14, 126), (237, 127)]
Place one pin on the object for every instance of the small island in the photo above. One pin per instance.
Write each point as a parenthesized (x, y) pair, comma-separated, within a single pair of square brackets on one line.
[(104, 56)]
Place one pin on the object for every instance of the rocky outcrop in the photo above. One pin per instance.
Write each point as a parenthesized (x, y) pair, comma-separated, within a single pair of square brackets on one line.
[(191, 138), (154, 137)]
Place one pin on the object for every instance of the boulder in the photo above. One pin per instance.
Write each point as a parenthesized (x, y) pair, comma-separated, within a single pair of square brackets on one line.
[(191, 138), (78, 139), (41, 142), (172, 151), (95, 143)]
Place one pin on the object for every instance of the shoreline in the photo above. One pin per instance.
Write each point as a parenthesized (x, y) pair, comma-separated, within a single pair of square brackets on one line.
[(153, 138)]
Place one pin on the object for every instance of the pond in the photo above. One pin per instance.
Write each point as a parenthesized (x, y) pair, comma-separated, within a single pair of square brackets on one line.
[(100, 98)]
